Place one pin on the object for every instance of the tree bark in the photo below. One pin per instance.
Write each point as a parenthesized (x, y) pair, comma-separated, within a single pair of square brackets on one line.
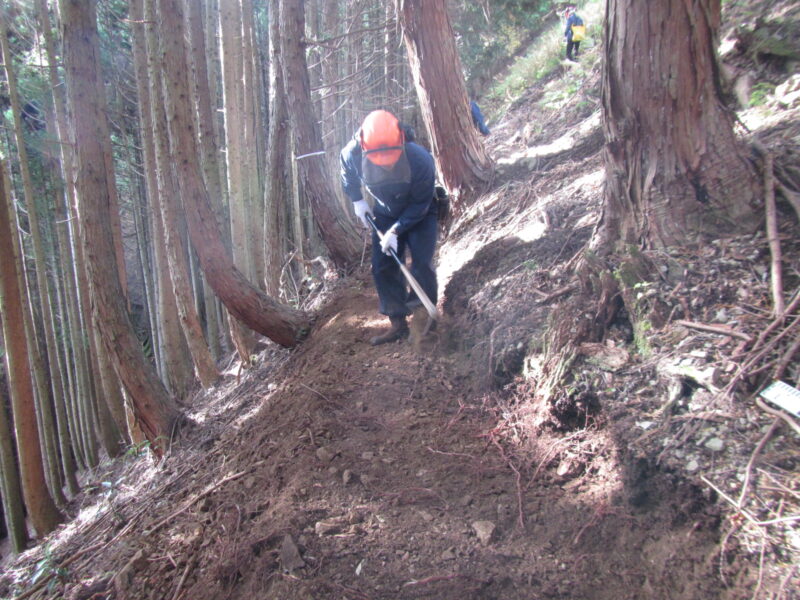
[(337, 232), (207, 143), (258, 311), (153, 407), (154, 130), (13, 509), (278, 173), (461, 158), (675, 171), (41, 509)]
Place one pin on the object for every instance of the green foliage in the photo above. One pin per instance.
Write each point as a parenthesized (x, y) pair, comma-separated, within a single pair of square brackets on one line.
[(135, 450), (761, 91), (47, 567), (485, 37)]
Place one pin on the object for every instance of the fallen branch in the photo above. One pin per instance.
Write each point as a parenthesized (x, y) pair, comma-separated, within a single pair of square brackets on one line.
[(778, 413), (63, 565), (720, 329), (746, 514), (192, 501), (432, 579), (776, 278), (749, 469), (783, 363), (792, 198)]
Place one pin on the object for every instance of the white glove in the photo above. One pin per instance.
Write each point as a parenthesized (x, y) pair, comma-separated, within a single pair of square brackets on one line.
[(389, 240), (362, 209)]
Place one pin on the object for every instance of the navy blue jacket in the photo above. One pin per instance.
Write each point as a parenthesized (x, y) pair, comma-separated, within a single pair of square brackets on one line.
[(574, 19), (406, 203)]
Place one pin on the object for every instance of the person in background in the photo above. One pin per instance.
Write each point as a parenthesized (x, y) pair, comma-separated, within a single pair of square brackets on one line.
[(400, 176), (573, 37), (477, 118)]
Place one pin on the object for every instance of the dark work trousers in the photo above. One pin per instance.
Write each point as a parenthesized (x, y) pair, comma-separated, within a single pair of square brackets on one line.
[(570, 47), (393, 292)]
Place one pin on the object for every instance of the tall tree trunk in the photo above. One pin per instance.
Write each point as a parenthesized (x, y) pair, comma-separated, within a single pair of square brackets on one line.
[(258, 311), (230, 27), (338, 233), (253, 143), (674, 168), (48, 383), (461, 158), (277, 175), (154, 409), (39, 504), (164, 198), (10, 487), (205, 118)]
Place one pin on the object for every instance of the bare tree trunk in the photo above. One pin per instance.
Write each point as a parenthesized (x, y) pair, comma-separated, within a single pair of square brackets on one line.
[(154, 128), (230, 27), (253, 143), (154, 409), (258, 311), (207, 143), (48, 384), (277, 175), (336, 230), (674, 168), (461, 158), (10, 486), (41, 509)]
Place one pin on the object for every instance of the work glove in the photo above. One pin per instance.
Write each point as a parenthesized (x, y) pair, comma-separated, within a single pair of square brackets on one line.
[(389, 240), (362, 209)]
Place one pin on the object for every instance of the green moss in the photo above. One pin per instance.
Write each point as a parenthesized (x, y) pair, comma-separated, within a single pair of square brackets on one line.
[(761, 91)]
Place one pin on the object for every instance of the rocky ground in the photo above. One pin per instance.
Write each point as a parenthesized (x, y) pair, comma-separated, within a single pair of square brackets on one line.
[(432, 469)]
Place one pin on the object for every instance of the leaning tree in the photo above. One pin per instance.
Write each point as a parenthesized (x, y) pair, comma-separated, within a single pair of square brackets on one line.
[(461, 158), (675, 171)]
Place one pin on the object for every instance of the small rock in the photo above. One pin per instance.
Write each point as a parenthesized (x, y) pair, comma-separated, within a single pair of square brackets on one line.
[(329, 526), (347, 476), (715, 444), (426, 516), (367, 455), (290, 555), (448, 554), (484, 530), (692, 465), (325, 454)]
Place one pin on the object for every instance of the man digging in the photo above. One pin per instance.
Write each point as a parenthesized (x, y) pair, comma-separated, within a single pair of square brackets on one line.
[(399, 175)]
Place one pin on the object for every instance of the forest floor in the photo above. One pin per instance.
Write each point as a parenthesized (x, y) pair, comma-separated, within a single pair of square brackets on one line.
[(429, 468)]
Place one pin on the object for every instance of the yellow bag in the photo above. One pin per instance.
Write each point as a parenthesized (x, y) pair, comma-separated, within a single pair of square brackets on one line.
[(578, 33)]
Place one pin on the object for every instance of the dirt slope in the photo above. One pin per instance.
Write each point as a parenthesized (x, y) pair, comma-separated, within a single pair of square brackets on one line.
[(426, 469)]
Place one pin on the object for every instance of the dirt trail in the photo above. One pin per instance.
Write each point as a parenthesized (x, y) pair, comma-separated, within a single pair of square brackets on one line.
[(341, 470)]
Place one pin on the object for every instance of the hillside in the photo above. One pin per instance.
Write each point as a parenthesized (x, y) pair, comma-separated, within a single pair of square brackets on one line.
[(433, 468)]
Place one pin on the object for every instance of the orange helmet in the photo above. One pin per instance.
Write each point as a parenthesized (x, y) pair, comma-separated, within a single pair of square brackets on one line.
[(381, 138)]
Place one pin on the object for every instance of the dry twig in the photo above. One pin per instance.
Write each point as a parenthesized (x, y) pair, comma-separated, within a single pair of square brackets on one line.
[(749, 470), (778, 304), (720, 329), (746, 514)]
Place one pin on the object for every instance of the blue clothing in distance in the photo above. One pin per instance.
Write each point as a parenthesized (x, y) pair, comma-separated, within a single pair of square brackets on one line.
[(477, 117), (573, 19)]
